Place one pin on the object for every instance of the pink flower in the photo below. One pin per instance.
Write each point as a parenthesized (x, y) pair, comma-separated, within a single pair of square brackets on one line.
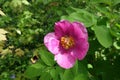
[(68, 43)]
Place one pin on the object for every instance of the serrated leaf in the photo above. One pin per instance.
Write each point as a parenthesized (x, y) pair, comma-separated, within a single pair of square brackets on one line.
[(47, 57), (34, 70), (103, 36)]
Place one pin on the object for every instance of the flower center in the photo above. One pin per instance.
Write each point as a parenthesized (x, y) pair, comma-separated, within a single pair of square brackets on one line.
[(67, 42)]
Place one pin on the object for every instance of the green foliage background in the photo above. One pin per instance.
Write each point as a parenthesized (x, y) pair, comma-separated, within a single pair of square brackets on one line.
[(28, 21)]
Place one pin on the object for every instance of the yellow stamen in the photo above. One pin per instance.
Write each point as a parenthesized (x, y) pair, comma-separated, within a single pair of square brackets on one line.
[(67, 42)]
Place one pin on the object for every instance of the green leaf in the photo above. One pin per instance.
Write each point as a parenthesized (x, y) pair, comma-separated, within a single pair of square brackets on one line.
[(68, 75), (81, 71), (34, 70), (60, 72), (81, 77), (47, 57), (109, 2), (115, 2), (75, 69), (115, 30), (59, 69), (115, 33), (45, 76), (103, 36), (67, 18), (54, 74), (82, 16), (104, 11)]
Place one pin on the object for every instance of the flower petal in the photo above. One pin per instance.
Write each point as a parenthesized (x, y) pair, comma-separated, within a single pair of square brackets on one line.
[(80, 50), (78, 31), (61, 28), (51, 43), (65, 60)]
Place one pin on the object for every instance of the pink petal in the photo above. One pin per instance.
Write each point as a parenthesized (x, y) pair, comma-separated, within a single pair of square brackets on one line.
[(65, 60), (61, 28), (78, 31), (51, 43), (80, 49)]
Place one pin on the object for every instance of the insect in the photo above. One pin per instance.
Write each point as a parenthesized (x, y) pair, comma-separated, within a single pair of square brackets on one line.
[(34, 59)]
